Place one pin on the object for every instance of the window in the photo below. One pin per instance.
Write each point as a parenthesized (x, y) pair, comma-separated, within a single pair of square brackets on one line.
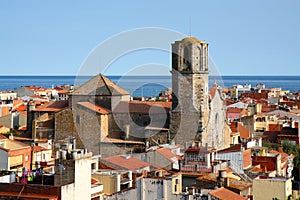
[(175, 188), (77, 119)]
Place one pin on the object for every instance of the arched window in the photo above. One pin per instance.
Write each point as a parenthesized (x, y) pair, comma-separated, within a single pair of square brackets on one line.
[(200, 60), (187, 66)]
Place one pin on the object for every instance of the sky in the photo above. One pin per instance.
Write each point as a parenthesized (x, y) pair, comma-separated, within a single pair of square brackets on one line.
[(57, 37)]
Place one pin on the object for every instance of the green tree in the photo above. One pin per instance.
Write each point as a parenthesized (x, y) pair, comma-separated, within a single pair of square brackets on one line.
[(291, 148)]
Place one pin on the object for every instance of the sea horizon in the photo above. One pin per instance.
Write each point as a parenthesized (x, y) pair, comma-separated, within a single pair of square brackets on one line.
[(147, 85)]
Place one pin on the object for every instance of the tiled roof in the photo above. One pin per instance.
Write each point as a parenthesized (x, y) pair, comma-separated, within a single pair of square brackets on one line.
[(235, 110), (126, 162), (22, 128), (233, 183), (20, 108), (167, 153), (233, 126), (63, 91), (277, 152), (247, 158), (225, 194), (244, 132), (119, 141), (95, 108), (2, 137), (142, 107), (13, 145), (197, 149), (53, 106), (100, 85), (23, 113), (212, 92), (39, 149), (235, 148)]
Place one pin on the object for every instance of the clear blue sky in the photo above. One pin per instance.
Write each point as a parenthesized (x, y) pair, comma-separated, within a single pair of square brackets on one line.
[(55, 37)]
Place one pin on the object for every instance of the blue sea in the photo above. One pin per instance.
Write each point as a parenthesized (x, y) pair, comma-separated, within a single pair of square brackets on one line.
[(148, 85)]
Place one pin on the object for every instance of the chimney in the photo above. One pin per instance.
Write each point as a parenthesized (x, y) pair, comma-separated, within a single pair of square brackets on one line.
[(206, 146)]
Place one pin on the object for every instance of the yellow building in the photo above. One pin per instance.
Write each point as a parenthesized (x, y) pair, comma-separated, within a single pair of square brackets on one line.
[(113, 180), (269, 188)]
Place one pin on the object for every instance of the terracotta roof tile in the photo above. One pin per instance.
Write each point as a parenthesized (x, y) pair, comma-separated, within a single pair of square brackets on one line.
[(53, 106), (100, 85), (39, 149), (123, 162), (142, 107), (235, 110), (63, 91), (212, 92), (95, 108), (120, 141), (247, 158), (225, 194), (244, 132), (233, 183), (277, 152), (167, 153), (235, 148), (233, 126), (197, 149), (2, 137)]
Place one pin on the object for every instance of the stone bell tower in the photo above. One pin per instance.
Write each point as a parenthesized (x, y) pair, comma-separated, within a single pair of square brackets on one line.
[(190, 100)]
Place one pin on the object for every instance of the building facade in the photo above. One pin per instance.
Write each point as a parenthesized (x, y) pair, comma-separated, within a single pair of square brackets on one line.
[(195, 115)]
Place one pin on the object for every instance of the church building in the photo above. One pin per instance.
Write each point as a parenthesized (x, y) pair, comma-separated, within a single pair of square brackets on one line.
[(198, 114)]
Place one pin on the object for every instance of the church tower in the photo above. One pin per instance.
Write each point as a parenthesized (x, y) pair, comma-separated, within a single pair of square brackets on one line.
[(190, 100)]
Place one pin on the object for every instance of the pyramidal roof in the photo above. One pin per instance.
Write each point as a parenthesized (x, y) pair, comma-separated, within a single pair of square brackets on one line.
[(100, 85)]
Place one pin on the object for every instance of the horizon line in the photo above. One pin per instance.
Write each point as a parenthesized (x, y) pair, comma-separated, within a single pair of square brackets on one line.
[(143, 75)]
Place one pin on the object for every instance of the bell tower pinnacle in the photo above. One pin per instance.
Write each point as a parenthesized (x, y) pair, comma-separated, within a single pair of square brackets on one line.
[(190, 102)]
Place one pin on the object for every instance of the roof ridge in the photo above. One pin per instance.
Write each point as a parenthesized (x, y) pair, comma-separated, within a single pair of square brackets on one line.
[(104, 81)]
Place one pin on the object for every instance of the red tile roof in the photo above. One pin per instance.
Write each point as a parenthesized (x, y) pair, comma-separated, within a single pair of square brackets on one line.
[(247, 158), (20, 108), (235, 110), (63, 91), (233, 126), (142, 107), (39, 149), (197, 149), (167, 153), (53, 106), (212, 92), (277, 152), (2, 137), (244, 132), (225, 194), (22, 128), (129, 163), (235, 148), (23, 113), (100, 85), (95, 108)]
